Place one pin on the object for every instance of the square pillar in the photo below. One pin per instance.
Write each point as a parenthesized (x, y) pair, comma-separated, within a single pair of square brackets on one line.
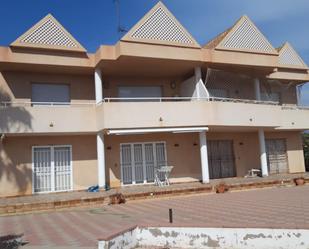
[(198, 78), (204, 157), (101, 160), (98, 85), (257, 89), (263, 156)]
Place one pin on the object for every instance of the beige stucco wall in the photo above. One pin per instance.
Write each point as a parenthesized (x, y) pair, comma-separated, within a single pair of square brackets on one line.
[(16, 162), (112, 84), (17, 85), (238, 88), (186, 113), (186, 158), (245, 145), (294, 149)]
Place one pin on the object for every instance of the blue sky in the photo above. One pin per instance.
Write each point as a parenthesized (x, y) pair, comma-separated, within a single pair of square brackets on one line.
[(94, 22)]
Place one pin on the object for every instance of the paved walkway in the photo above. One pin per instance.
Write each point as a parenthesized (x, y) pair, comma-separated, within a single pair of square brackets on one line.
[(283, 207), (140, 189)]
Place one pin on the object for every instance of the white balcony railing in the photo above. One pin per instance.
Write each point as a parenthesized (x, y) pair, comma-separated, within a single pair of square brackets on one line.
[(153, 99), (45, 104), (146, 99), (165, 99)]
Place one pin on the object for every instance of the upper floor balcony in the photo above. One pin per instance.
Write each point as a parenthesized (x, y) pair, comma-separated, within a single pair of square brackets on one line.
[(115, 113), (220, 101), (47, 117), (118, 113)]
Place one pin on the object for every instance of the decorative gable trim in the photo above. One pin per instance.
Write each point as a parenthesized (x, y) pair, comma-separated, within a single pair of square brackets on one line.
[(289, 57), (48, 33), (245, 36), (159, 26)]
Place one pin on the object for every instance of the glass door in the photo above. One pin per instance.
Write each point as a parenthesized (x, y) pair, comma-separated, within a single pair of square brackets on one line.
[(52, 168), (139, 161)]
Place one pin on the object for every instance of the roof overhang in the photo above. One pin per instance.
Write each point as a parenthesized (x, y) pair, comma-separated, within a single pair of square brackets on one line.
[(130, 58), (226, 57), (156, 130), (143, 50), (299, 76), (53, 61)]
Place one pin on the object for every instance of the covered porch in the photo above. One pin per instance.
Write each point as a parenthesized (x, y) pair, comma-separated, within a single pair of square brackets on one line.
[(133, 156), (198, 154)]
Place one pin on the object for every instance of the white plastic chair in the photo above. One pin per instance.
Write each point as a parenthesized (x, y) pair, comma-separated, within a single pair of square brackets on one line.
[(166, 171)]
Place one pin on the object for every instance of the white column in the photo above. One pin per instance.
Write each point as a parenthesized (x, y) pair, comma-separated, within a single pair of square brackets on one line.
[(263, 156), (257, 89), (204, 157), (198, 78), (298, 94), (98, 85), (101, 159)]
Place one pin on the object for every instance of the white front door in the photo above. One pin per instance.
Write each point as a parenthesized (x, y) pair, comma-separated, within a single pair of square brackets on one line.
[(52, 168), (139, 161)]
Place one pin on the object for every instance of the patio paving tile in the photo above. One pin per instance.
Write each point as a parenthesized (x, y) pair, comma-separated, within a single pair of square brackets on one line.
[(81, 227)]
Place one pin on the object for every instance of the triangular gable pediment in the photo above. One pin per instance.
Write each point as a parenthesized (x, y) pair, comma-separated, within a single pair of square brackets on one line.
[(48, 33), (289, 57), (159, 26), (245, 36)]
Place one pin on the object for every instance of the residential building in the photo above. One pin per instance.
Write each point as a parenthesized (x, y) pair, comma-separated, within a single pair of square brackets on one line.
[(70, 119)]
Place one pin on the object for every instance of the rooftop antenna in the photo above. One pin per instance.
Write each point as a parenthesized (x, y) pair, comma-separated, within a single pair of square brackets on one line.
[(120, 29)]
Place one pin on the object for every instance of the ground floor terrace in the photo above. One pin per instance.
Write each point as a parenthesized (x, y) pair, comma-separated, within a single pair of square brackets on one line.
[(44, 164), (282, 208)]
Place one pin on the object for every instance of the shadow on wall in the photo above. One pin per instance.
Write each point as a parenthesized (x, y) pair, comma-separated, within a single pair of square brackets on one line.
[(12, 174)]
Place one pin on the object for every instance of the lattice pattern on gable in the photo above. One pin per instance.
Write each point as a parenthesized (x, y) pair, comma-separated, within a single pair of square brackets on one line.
[(246, 36), (160, 26), (49, 33), (288, 56)]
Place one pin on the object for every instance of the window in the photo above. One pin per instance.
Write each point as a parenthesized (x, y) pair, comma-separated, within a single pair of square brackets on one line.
[(275, 97), (139, 92), (47, 93), (218, 93)]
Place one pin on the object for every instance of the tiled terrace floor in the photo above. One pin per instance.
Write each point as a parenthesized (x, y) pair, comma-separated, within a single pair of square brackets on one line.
[(140, 189), (280, 207)]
